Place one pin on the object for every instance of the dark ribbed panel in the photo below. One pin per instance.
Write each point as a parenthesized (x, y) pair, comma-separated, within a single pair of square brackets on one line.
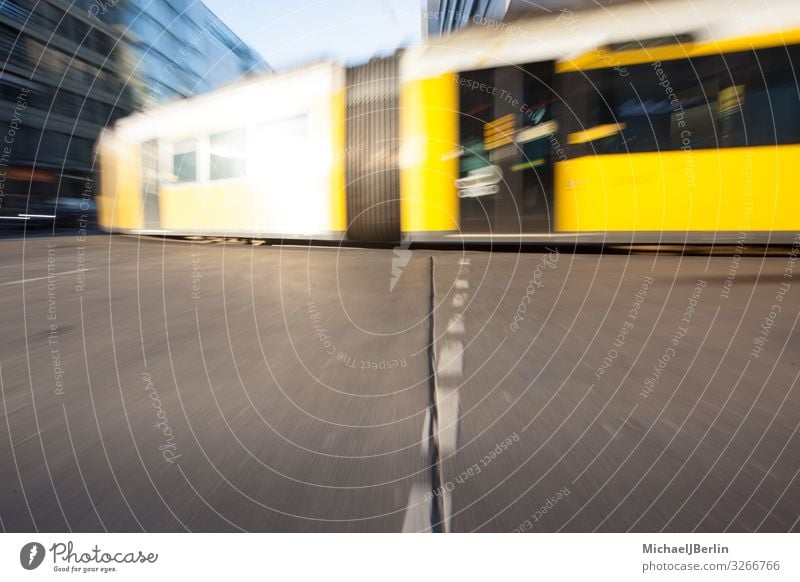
[(371, 151)]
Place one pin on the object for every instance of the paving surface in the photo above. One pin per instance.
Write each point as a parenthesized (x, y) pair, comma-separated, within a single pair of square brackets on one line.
[(169, 386)]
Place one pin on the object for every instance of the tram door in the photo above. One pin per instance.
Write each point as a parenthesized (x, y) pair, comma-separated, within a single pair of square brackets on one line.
[(507, 135), (150, 218)]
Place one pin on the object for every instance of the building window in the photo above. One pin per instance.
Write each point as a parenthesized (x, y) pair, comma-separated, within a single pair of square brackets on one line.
[(228, 154), (184, 161)]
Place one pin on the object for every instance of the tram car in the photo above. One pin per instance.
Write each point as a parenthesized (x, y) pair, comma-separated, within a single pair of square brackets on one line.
[(647, 118)]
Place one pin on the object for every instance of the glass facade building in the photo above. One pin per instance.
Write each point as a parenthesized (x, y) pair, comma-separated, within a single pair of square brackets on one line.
[(71, 68), (446, 16)]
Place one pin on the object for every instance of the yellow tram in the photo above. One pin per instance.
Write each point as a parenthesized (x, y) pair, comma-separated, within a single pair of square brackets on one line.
[(672, 116)]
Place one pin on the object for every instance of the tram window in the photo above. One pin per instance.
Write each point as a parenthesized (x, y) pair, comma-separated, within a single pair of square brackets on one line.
[(749, 98), (537, 111), (668, 106), (585, 107), (698, 101), (736, 83), (781, 124), (772, 99), (184, 161), (228, 154), (477, 109)]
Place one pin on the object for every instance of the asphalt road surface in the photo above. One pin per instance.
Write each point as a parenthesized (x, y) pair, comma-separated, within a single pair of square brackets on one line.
[(171, 386)]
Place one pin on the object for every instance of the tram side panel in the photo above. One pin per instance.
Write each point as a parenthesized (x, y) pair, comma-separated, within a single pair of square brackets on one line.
[(119, 207), (428, 156), (710, 143), (271, 166)]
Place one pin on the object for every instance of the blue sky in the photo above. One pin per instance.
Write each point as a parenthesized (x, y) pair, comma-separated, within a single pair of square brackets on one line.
[(289, 33)]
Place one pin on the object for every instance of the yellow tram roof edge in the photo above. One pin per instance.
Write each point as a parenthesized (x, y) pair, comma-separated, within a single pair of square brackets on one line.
[(603, 58), (573, 38)]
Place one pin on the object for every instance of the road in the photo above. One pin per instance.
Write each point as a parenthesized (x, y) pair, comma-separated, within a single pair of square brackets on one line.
[(172, 386)]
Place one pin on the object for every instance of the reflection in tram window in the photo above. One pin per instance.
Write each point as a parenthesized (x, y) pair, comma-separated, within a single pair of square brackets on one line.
[(184, 161), (507, 133), (228, 154), (717, 101)]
